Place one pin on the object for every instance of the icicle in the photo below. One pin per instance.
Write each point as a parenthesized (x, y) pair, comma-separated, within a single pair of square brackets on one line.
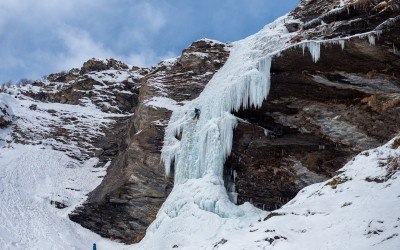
[(341, 42), (233, 197), (371, 39), (378, 33), (303, 45), (315, 50)]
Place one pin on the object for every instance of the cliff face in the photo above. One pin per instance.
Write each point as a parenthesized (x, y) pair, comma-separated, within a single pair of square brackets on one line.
[(319, 115), (135, 187)]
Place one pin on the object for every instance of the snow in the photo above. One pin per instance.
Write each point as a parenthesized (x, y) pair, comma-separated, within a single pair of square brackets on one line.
[(32, 176), (162, 102), (169, 62), (359, 213), (198, 54), (110, 76)]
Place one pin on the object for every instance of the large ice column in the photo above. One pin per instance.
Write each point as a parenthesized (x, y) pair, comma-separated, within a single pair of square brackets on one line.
[(206, 143)]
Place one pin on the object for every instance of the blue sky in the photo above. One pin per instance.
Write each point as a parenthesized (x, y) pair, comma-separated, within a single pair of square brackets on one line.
[(46, 36)]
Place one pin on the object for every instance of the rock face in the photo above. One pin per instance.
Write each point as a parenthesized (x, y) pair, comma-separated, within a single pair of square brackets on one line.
[(135, 187), (319, 115), (5, 115), (101, 65)]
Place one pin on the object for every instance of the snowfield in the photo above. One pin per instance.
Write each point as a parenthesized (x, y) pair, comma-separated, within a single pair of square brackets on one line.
[(34, 179)]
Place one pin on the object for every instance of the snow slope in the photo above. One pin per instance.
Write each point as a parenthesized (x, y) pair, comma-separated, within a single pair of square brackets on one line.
[(34, 177)]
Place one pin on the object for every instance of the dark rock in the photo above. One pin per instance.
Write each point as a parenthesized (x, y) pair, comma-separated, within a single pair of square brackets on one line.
[(375, 180), (58, 204), (98, 152), (4, 117), (270, 216), (270, 240), (33, 107), (51, 111), (292, 27), (100, 65)]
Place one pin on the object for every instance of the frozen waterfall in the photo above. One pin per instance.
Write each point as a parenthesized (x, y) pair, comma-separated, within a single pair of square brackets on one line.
[(206, 143), (199, 199), (199, 206)]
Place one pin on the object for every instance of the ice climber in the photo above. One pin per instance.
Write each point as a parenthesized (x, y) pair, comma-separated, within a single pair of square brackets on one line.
[(94, 246), (196, 113)]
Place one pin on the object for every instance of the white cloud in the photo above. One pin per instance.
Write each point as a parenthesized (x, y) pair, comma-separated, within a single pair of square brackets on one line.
[(79, 48), (42, 35), (147, 58)]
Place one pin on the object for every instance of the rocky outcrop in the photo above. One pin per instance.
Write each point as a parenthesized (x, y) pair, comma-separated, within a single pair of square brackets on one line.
[(6, 113), (102, 65), (5, 116), (64, 76), (109, 84), (319, 115), (135, 187)]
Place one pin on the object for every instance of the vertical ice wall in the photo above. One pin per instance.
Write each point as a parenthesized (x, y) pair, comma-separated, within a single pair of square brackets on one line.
[(206, 143)]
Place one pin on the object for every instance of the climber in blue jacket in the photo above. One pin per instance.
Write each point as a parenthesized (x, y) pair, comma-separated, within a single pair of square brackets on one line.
[(197, 113), (94, 246)]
